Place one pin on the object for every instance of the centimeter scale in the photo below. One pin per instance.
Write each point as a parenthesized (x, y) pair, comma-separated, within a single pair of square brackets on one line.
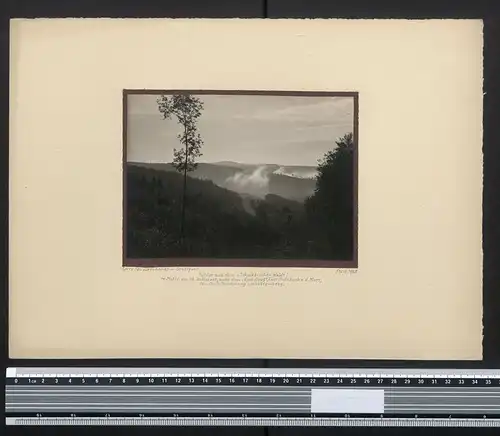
[(252, 397)]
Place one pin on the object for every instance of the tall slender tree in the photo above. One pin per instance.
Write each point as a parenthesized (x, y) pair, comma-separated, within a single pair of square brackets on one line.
[(187, 109)]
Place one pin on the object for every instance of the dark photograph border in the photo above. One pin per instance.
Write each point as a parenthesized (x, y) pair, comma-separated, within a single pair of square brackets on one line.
[(235, 262)]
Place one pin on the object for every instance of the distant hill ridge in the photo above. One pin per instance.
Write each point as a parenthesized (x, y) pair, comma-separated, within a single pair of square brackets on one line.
[(251, 179)]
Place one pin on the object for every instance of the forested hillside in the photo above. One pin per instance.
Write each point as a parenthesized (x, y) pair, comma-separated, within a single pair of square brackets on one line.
[(216, 223), (248, 179), (222, 223)]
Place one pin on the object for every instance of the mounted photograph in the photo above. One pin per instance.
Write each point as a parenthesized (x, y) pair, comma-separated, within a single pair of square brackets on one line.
[(240, 178)]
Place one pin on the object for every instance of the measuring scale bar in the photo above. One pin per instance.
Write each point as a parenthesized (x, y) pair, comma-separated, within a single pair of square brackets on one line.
[(169, 396)]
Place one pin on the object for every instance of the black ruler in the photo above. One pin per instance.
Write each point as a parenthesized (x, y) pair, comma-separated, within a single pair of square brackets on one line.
[(180, 396)]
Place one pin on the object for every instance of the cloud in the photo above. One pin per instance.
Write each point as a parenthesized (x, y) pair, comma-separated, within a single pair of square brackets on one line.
[(299, 173), (255, 183), (320, 109)]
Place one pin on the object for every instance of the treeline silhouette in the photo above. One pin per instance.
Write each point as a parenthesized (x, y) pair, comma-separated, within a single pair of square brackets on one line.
[(219, 223)]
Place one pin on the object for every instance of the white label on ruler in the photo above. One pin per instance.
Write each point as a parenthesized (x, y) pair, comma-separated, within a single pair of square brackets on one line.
[(347, 400)]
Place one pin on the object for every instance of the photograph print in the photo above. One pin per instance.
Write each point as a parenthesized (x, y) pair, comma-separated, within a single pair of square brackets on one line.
[(239, 178)]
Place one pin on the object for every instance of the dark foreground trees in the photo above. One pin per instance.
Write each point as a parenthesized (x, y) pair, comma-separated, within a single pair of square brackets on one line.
[(330, 210)]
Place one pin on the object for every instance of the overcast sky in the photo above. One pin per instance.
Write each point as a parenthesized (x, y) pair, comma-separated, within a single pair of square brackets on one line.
[(284, 130)]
